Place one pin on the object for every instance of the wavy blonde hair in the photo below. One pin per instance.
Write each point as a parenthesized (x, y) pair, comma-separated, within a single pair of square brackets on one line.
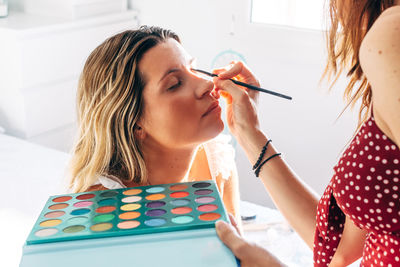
[(109, 104), (343, 45)]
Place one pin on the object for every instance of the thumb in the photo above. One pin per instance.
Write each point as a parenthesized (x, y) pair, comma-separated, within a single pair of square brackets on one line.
[(229, 237)]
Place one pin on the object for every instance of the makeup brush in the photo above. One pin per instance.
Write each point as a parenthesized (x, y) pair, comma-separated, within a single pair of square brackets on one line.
[(247, 85)]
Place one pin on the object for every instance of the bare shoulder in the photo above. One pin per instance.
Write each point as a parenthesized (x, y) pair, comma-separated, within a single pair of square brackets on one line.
[(383, 39), (380, 62), (390, 11), (380, 49)]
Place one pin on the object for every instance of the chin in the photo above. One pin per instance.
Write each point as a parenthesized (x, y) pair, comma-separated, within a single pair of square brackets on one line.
[(215, 130)]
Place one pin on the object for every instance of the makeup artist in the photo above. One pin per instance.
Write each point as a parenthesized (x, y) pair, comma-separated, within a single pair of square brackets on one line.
[(358, 215)]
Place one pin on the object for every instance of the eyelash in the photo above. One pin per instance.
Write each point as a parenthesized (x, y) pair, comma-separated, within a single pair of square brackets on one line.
[(175, 86)]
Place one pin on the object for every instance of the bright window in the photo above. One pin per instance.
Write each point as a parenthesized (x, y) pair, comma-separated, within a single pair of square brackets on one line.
[(307, 14)]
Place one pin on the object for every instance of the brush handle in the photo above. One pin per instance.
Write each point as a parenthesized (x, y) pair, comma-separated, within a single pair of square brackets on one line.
[(247, 85), (261, 89)]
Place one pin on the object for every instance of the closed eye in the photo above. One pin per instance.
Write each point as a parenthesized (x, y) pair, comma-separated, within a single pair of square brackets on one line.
[(179, 83)]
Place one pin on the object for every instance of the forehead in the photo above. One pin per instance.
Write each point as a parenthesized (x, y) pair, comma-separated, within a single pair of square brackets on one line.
[(161, 58)]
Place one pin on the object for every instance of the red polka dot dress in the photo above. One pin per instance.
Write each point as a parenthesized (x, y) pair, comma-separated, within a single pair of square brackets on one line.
[(365, 187)]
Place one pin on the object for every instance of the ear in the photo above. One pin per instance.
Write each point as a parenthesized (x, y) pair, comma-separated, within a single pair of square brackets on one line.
[(139, 132)]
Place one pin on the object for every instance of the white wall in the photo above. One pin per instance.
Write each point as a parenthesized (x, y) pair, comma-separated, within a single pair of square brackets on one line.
[(288, 60)]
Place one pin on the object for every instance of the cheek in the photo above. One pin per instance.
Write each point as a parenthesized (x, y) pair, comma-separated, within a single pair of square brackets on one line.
[(175, 118), (180, 114)]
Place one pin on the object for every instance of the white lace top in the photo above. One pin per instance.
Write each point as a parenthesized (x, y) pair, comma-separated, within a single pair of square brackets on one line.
[(220, 157)]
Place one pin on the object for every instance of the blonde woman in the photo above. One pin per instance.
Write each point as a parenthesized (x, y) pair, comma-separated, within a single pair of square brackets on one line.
[(145, 118), (358, 215)]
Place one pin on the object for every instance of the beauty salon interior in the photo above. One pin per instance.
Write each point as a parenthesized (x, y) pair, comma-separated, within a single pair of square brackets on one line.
[(128, 128)]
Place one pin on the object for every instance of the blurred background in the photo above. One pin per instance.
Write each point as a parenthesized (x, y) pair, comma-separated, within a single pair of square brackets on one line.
[(44, 43)]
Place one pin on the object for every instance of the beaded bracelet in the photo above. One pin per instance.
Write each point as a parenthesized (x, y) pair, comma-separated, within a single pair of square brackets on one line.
[(257, 172), (264, 149)]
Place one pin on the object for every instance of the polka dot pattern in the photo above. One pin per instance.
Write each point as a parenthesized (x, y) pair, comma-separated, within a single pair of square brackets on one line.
[(365, 188)]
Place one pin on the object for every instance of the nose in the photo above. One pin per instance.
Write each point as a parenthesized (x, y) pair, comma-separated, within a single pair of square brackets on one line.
[(204, 86)]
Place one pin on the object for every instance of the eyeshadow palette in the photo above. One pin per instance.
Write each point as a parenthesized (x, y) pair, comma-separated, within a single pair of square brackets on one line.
[(129, 211)]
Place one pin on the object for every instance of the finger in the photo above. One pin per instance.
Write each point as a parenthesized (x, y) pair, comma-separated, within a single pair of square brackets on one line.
[(229, 237), (215, 93), (232, 219), (226, 96), (228, 86), (234, 223), (254, 95), (239, 71), (220, 70), (235, 69)]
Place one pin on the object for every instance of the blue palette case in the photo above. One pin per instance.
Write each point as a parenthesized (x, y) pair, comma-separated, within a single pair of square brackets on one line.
[(166, 225)]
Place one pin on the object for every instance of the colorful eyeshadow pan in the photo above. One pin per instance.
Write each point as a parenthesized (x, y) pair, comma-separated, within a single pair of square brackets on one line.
[(73, 229), (182, 219), (179, 194), (129, 215), (105, 209), (178, 187), (201, 185), (103, 218), (131, 199), (155, 222), (78, 220), (58, 206), (110, 193), (181, 210), (155, 204), (83, 204), (100, 227), (80, 212), (203, 192), (50, 223), (46, 232), (132, 192), (132, 211), (54, 214), (128, 224), (180, 202), (155, 212), (107, 202), (85, 196), (207, 207), (155, 197), (128, 207), (156, 189), (209, 216), (205, 199), (62, 199)]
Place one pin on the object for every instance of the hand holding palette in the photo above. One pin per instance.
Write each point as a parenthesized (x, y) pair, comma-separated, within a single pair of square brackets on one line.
[(176, 222)]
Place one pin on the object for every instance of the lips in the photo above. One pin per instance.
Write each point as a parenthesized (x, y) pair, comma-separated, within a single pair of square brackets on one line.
[(212, 107)]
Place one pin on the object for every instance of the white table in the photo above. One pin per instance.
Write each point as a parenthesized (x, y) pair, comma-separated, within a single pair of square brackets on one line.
[(271, 231), (29, 173)]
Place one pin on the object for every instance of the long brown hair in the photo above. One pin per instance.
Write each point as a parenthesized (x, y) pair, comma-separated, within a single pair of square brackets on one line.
[(109, 104), (348, 27)]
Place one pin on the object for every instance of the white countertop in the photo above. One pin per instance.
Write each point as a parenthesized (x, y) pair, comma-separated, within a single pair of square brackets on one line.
[(26, 167)]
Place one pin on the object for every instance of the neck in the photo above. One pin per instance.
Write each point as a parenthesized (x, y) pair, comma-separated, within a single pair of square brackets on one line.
[(167, 165)]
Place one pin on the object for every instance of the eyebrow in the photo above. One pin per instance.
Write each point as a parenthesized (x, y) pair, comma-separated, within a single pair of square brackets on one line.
[(175, 70)]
